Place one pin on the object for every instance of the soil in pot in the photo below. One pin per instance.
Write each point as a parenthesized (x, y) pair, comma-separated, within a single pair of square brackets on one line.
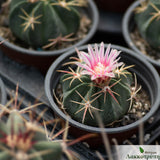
[(128, 126)]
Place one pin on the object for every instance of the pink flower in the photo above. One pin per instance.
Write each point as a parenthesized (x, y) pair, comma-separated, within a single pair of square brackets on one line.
[(98, 65)]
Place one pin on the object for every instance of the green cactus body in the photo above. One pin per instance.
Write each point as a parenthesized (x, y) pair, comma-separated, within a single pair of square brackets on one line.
[(14, 121), (109, 109), (54, 147), (4, 155), (149, 26), (50, 21), (16, 142)]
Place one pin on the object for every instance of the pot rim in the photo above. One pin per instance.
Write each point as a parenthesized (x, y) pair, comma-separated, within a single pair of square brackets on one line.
[(126, 33), (95, 15), (97, 129), (3, 97)]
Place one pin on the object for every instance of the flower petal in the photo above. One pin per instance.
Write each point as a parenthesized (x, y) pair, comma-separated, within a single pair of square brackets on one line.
[(101, 52)]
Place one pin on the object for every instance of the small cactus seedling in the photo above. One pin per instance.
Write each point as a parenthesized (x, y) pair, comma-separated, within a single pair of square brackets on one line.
[(147, 18), (36, 22), (99, 84)]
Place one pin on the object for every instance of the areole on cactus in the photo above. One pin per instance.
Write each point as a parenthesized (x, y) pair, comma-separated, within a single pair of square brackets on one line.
[(147, 17), (37, 21), (100, 83)]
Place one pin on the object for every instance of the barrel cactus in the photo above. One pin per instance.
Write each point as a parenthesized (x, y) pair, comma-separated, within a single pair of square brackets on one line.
[(98, 84), (19, 143), (37, 21), (147, 18)]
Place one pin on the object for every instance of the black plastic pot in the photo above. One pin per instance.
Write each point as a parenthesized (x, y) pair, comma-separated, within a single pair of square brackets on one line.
[(146, 74), (3, 95), (43, 59), (128, 25), (113, 5)]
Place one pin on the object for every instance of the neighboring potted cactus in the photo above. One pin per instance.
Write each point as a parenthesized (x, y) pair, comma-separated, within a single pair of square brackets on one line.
[(99, 83), (18, 142), (39, 21), (25, 135), (147, 20), (40, 25), (141, 29)]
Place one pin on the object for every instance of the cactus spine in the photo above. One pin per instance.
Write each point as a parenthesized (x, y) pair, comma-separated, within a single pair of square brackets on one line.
[(37, 21)]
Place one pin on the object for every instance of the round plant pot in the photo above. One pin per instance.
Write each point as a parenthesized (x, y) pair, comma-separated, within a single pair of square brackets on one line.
[(128, 26), (147, 76), (113, 5), (3, 95), (43, 59)]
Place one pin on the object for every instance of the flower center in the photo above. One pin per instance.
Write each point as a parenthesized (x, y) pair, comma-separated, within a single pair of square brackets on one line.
[(19, 142), (100, 68)]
